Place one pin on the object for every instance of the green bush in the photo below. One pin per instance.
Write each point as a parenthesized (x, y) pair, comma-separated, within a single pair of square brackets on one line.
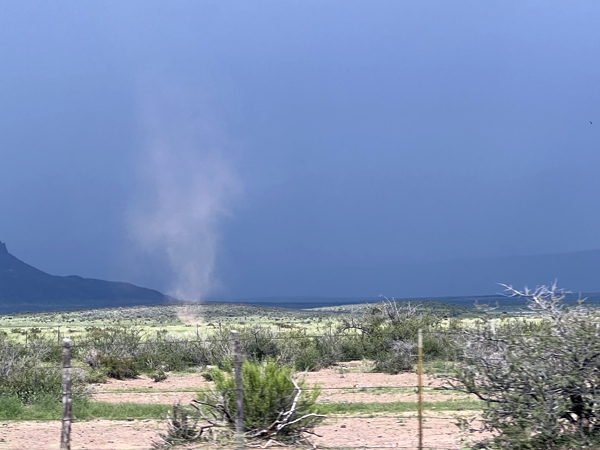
[(120, 368), (268, 392), (96, 376), (207, 374), (29, 383), (307, 359), (387, 333), (158, 376), (33, 382), (24, 375), (399, 357), (169, 354), (118, 340), (330, 350), (352, 348), (258, 343), (10, 407)]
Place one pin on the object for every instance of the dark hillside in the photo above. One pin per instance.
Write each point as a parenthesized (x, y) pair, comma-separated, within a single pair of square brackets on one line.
[(25, 288)]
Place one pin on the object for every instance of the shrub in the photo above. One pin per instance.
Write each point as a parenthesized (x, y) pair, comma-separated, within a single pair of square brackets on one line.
[(258, 343), (158, 376), (92, 358), (352, 348), (400, 357), (218, 349), (174, 354), (273, 401), (330, 350), (120, 341), (96, 376), (387, 333), (539, 381), (298, 350), (29, 383), (182, 428), (207, 374), (120, 368), (10, 407), (307, 358), (24, 376)]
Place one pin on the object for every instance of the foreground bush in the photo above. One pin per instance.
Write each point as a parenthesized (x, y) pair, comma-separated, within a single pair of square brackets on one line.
[(540, 381), (182, 429), (275, 405)]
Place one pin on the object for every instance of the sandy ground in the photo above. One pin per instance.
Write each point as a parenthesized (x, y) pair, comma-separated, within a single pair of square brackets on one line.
[(167, 391), (336, 387), (391, 431), (385, 432), (91, 435)]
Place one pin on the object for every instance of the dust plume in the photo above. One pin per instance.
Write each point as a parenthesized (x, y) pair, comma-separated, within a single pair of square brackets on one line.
[(188, 185)]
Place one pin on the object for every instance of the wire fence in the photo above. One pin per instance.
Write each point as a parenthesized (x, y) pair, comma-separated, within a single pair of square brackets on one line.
[(365, 408), (30, 337), (388, 413)]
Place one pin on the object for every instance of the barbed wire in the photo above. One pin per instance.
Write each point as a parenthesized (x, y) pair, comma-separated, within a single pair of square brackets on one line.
[(349, 388), (369, 447), (259, 341), (253, 339), (331, 416)]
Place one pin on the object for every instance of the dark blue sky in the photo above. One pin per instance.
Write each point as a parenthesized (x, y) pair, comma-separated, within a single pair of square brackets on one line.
[(157, 142)]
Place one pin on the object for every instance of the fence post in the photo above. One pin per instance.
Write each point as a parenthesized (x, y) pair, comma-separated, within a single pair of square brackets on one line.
[(420, 388), (239, 391), (65, 434)]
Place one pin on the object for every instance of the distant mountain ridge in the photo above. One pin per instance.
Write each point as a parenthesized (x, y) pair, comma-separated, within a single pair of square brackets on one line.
[(25, 288)]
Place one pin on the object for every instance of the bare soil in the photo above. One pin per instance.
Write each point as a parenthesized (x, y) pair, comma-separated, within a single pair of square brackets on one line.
[(166, 392), (336, 387), (387, 432), (91, 435), (397, 431)]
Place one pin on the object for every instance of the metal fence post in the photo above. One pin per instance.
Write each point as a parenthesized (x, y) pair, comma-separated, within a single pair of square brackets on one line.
[(239, 391), (420, 389), (65, 434)]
